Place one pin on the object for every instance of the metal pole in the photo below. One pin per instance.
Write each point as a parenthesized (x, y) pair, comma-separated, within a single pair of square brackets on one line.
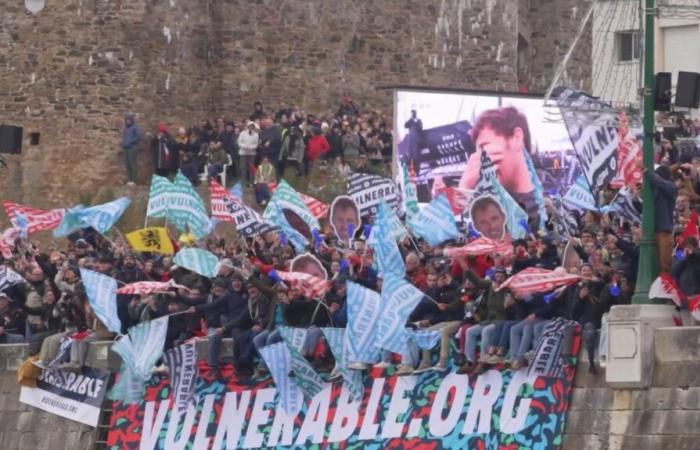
[(648, 265)]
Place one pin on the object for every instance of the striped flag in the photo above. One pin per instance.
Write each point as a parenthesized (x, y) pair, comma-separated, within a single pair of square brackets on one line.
[(101, 291), (228, 208), (198, 261), (387, 256), (694, 306), (6, 247), (481, 246), (182, 367), (294, 337), (435, 223), (335, 337), (317, 207), (364, 313), (8, 277), (279, 361), (37, 219), (533, 280), (399, 299), (666, 287), (309, 285), (149, 287), (368, 191), (100, 217)]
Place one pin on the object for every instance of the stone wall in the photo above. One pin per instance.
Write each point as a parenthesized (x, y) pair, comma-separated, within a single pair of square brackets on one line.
[(71, 71), (553, 25), (666, 416), (23, 427)]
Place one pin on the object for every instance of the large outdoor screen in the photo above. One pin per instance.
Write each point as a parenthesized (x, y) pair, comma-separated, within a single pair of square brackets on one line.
[(440, 135)]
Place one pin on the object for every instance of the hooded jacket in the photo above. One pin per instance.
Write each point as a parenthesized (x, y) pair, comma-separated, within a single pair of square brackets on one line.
[(131, 135)]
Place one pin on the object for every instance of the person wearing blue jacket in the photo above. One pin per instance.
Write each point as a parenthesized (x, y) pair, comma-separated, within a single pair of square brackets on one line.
[(131, 136), (665, 193)]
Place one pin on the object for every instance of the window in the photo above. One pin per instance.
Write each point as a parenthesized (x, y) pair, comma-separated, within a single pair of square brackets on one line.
[(628, 45)]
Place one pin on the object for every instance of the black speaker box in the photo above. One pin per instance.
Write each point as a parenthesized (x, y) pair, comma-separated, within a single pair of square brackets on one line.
[(688, 90), (10, 139), (662, 91)]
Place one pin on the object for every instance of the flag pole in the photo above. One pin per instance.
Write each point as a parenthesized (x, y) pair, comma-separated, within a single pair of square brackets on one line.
[(648, 266)]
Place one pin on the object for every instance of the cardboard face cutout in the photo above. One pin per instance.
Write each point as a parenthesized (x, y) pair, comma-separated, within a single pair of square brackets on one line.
[(308, 263), (488, 217), (344, 218)]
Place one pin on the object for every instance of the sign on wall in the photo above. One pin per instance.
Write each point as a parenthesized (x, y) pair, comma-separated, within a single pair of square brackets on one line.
[(434, 410), (73, 396)]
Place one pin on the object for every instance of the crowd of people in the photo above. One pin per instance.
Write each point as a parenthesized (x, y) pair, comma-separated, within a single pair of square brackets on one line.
[(285, 138), (246, 302)]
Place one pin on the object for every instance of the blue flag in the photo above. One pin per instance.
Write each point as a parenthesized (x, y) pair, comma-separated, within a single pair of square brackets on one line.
[(237, 190), (579, 196), (387, 256), (103, 217), (399, 298), (425, 339), (100, 217), (139, 350), (294, 337), (364, 313), (305, 376), (101, 292), (199, 261), (435, 223), (279, 361), (352, 378), (22, 223), (143, 346)]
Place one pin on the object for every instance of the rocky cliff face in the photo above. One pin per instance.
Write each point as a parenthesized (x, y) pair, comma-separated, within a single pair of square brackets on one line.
[(71, 71)]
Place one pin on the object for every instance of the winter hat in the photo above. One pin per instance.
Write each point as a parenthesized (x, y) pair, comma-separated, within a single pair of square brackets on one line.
[(162, 128)]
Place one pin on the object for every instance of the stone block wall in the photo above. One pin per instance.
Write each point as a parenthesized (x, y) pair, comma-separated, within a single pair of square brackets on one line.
[(24, 427), (666, 416), (71, 71)]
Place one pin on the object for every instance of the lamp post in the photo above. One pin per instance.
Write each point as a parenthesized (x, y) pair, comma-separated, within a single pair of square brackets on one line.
[(648, 267)]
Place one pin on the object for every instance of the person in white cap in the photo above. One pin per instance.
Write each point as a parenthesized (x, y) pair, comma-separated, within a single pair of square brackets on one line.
[(248, 142)]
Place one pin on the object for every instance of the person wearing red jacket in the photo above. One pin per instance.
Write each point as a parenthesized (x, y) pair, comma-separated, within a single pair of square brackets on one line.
[(316, 147)]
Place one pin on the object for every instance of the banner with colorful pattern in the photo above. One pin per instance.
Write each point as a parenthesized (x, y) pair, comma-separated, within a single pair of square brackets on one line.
[(500, 409)]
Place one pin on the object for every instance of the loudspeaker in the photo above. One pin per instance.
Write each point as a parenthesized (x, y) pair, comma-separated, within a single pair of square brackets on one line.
[(688, 90), (662, 91), (10, 139)]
